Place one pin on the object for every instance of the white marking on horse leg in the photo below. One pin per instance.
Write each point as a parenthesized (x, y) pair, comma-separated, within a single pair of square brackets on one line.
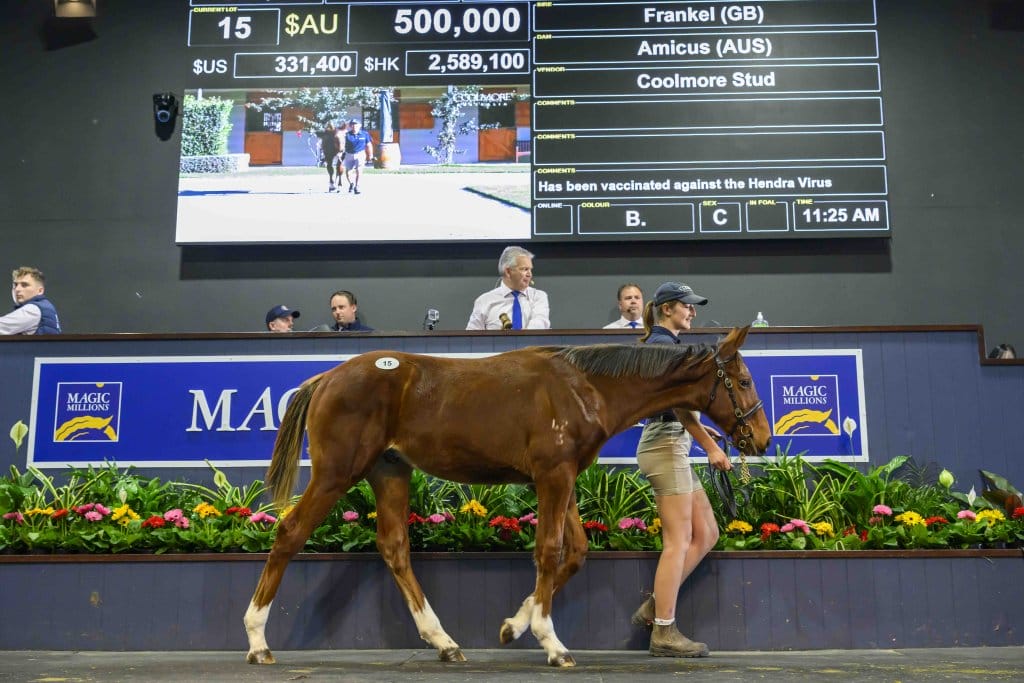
[(255, 628), (431, 631), (515, 626), (544, 631)]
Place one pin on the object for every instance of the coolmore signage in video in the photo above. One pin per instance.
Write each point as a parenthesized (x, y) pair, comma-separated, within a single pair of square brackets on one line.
[(182, 411)]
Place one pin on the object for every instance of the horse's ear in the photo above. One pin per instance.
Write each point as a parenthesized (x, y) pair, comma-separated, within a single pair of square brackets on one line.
[(734, 340)]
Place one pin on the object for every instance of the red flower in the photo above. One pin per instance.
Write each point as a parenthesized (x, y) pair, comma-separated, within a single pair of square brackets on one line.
[(1017, 513), (594, 525), (506, 526), (235, 510), (864, 535), (767, 529), (935, 520), (850, 531), (506, 523), (415, 519), (154, 522), (63, 512)]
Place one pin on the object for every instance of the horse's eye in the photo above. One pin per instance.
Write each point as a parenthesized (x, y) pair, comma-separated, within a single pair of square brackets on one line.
[(745, 383)]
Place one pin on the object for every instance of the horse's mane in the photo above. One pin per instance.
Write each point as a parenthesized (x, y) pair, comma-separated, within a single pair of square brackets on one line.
[(627, 360)]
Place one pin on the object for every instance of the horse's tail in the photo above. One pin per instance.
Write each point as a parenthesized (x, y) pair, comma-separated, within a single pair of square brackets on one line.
[(284, 465)]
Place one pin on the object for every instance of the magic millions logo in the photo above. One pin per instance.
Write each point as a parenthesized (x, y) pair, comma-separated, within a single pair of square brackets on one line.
[(805, 405), (87, 411)]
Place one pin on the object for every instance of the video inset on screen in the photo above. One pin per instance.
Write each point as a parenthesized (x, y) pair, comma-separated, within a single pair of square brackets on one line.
[(421, 163)]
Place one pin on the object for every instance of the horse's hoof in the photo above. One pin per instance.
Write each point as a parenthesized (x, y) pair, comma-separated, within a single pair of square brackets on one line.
[(507, 634), (452, 654), (562, 659), (260, 657)]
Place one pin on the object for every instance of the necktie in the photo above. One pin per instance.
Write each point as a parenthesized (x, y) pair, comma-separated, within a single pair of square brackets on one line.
[(517, 311), (632, 323)]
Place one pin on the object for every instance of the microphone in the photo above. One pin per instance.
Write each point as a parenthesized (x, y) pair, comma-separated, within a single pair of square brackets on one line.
[(431, 319), (506, 322)]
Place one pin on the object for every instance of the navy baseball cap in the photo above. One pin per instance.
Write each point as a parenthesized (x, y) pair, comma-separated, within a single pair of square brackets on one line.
[(677, 291), (280, 312)]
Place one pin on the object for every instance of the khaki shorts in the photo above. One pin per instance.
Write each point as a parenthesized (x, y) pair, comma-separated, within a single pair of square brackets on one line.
[(663, 455), (355, 160)]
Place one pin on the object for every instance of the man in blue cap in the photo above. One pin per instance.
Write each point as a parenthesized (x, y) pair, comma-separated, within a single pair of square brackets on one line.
[(281, 319)]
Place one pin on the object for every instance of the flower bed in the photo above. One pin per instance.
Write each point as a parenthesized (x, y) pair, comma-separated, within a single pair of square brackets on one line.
[(790, 505)]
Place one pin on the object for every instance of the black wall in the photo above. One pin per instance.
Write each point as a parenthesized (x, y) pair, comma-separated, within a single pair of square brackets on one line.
[(88, 194)]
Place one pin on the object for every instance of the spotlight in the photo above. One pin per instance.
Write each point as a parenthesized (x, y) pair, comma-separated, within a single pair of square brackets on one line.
[(165, 111), (73, 9)]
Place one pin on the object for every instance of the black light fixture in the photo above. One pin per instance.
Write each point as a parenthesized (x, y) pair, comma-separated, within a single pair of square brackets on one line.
[(74, 9), (165, 112)]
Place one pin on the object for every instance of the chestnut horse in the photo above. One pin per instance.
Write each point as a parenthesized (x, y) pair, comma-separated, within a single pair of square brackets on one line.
[(538, 415)]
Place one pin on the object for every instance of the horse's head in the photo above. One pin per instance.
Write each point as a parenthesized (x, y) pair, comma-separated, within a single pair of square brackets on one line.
[(732, 401)]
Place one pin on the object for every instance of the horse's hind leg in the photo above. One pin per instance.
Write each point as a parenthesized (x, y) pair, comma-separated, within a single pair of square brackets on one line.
[(390, 482), (575, 550)]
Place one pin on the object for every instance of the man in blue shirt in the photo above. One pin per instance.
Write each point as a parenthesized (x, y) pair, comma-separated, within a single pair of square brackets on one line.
[(358, 152)]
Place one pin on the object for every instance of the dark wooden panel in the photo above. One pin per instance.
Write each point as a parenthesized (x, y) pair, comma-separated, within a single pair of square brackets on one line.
[(758, 593), (809, 612), (886, 601), (731, 603), (838, 597)]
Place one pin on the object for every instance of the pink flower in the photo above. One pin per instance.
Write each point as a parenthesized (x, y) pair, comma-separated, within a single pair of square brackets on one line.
[(436, 518), (174, 515), (102, 509), (16, 516), (787, 527), (882, 510), (82, 509), (529, 518), (875, 520), (801, 525), (966, 514), (350, 515), (181, 522), (93, 516), (632, 523), (268, 519), (448, 516)]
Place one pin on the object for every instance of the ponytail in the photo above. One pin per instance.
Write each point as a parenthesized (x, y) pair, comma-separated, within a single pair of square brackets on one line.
[(648, 318)]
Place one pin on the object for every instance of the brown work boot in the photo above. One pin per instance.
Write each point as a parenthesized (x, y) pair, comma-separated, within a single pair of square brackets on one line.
[(644, 615), (667, 641)]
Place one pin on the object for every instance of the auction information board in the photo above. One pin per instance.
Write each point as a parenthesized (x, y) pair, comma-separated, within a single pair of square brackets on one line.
[(648, 120)]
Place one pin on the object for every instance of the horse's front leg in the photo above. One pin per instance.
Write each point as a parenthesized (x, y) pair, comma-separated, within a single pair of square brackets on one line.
[(574, 541), (390, 483), (554, 491), (292, 533)]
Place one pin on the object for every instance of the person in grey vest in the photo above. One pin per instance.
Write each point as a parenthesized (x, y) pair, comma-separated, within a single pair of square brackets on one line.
[(33, 313)]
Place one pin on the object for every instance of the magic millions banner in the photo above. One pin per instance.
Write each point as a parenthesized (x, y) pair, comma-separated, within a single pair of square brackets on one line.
[(183, 411)]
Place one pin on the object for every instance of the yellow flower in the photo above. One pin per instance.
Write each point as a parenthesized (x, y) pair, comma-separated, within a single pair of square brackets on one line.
[(123, 515), (371, 515), (823, 529), (991, 516), (474, 507), (284, 513), (740, 526), (910, 518), (39, 511), (206, 510), (655, 526)]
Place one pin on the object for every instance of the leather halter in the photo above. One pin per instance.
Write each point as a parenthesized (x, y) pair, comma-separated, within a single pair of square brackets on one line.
[(746, 432)]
